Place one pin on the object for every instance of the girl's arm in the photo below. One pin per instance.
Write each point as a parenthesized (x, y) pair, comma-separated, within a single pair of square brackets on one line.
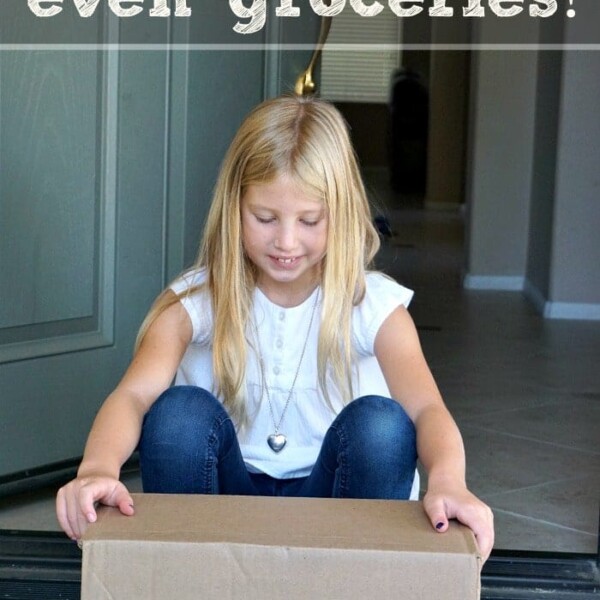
[(439, 443), (117, 427)]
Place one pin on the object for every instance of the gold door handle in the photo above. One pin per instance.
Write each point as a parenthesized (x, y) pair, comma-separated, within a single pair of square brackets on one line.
[(305, 84)]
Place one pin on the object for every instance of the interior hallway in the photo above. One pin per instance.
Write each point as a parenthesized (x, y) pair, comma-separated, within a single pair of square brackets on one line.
[(524, 390)]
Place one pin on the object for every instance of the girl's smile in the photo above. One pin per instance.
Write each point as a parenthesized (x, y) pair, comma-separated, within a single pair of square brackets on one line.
[(285, 262), (284, 233)]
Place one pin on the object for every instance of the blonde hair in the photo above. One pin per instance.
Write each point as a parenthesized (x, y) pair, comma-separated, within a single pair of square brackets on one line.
[(306, 139)]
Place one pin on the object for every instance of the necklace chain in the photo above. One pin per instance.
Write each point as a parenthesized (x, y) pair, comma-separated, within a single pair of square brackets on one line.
[(277, 424)]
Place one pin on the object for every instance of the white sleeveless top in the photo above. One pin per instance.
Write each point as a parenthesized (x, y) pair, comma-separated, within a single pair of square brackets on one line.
[(282, 333)]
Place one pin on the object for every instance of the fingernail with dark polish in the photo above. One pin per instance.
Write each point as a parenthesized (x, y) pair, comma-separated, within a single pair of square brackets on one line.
[(439, 525)]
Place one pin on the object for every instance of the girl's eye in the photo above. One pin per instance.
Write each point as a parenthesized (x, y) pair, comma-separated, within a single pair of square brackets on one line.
[(310, 223), (264, 219)]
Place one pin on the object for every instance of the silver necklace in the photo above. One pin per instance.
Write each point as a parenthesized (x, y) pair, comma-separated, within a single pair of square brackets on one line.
[(277, 440)]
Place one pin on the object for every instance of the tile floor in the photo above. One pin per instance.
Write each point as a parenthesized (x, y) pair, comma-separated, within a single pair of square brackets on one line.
[(524, 390)]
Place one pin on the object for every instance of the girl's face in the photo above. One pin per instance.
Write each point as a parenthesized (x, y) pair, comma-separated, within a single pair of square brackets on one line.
[(284, 233)]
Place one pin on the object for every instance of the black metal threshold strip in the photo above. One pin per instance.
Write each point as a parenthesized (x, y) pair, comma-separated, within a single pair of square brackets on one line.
[(39, 565), (516, 575), (52, 475), (47, 565)]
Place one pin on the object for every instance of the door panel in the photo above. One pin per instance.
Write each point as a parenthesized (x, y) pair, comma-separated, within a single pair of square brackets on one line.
[(57, 226), (107, 163)]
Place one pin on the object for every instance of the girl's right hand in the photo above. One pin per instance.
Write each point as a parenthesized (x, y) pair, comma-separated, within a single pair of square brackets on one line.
[(118, 424), (76, 502)]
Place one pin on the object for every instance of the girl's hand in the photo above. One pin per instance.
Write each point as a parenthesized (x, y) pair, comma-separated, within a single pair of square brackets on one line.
[(457, 502), (75, 502)]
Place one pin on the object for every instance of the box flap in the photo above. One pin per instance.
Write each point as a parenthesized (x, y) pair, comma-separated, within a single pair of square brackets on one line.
[(291, 522)]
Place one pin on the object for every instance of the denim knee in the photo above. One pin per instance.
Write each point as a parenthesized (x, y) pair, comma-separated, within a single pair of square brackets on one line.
[(177, 446), (181, 414), (376, 423), (368, 452)]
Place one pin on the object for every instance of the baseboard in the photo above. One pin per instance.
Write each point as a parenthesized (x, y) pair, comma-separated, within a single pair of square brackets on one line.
[(560, 310), (572, 310), (535, 296), (506, 283), (549, 309)]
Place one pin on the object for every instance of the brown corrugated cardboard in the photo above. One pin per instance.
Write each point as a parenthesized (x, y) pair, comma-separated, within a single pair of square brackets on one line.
[(263, 548)]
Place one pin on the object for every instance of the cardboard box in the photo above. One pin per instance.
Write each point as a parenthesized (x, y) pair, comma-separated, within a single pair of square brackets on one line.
[(262, 548)]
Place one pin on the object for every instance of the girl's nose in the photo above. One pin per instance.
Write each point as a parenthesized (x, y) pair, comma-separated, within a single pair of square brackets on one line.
[(286, 238)]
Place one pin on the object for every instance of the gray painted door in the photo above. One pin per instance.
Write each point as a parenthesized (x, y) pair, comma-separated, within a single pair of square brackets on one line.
[(107, 161)]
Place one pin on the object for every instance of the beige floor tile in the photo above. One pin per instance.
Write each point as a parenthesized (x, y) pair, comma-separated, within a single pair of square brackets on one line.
[(521, 533)]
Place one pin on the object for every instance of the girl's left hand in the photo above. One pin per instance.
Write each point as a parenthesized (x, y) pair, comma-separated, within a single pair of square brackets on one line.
[(457, 502)]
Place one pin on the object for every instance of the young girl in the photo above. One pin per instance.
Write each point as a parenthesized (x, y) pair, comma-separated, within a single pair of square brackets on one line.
[(286, 352)]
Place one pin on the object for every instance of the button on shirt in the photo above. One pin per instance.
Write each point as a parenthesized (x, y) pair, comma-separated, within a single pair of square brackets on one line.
[(281, 341)]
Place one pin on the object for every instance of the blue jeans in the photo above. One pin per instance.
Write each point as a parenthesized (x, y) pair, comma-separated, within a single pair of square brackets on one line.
[(189, 446)]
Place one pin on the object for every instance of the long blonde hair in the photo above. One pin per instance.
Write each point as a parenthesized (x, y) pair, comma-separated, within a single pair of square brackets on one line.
[(307, 139)]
